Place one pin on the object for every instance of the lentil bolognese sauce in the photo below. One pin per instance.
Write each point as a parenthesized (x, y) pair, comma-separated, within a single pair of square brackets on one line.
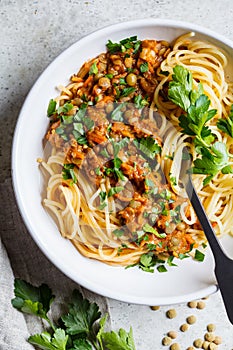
[(108, 187)]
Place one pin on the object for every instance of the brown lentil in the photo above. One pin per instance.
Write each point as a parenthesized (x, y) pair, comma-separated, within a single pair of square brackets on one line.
[(184, 327), (191, 319), (166, 341), (205, 345), (211, 327), (192, 304), (190, 348), (217, 340), (172, 334), (200, 305), (198, 343), (209, 337), (213, 346), (154, 308), (171, 313), (175, 346)]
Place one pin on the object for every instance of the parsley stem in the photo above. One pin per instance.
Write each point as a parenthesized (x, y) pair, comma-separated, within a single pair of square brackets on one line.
[(50, 323)]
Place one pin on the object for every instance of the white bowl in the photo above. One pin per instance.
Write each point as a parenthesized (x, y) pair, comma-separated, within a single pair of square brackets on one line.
[(191, 279)]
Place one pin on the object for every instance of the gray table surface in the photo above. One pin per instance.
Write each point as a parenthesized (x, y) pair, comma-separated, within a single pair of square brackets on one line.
[(32, 34)]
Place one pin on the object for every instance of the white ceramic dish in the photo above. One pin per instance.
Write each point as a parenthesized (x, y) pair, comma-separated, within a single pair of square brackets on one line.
[(190, 280)]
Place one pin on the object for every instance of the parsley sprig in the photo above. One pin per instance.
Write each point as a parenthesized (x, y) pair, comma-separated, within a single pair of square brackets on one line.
[(213, 155), (81, 328)]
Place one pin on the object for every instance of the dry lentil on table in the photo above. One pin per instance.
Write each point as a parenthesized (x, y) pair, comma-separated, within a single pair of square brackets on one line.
[(171, 313), (172, 334), (191, 319)]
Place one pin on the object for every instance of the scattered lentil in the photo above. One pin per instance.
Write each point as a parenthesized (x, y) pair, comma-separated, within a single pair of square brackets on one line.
[(209, 336), (191, 319), (184, 327), (192, 304), (166, 341), (213, 346), (198, 343), (175, 346), (217, 340), (154, 308), (205, 345), (171, 313), (211, 327), (172, 334), (200, 305), (190, 348)]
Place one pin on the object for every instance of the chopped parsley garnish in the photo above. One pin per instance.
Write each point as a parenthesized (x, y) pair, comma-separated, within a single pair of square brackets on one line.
[(226, 125), (148, 146), (103, 196), (68, 172), (51, 108), (144, 67), (199, 256), (115, 190), (140, 102), (65, 108), (124, 45), (93, 69), (118, 232), (127, 91), (117, 113), (149, 228)]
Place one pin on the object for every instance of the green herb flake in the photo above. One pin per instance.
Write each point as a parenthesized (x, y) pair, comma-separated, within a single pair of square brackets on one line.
[(140, 102), (161, 268), (51, 108), (149, 228), (118, 233), (127, 91), (144, 67), (115, 190), (68, 172), (199, 256), (93, 69)]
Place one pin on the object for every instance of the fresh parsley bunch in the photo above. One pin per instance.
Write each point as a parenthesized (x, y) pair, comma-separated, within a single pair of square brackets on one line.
[(213, 155), (81, 328)]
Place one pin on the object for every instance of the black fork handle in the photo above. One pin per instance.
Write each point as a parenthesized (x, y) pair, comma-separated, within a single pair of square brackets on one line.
[(223, 264)]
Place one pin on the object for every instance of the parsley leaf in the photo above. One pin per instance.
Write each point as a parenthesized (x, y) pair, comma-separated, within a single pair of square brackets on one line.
[(115, 190), (140, 102), (117, 113), (81, 316), (226, 125), (148, 146), (127, 91), (124, 45), (51, 108), (68, 172), (81, 344), (212, 161), (149, 228), (214, 155), (199, 256), (119, 341), (93, 69), (180, 87), (144, 67), (32, 300), (47, 342)]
